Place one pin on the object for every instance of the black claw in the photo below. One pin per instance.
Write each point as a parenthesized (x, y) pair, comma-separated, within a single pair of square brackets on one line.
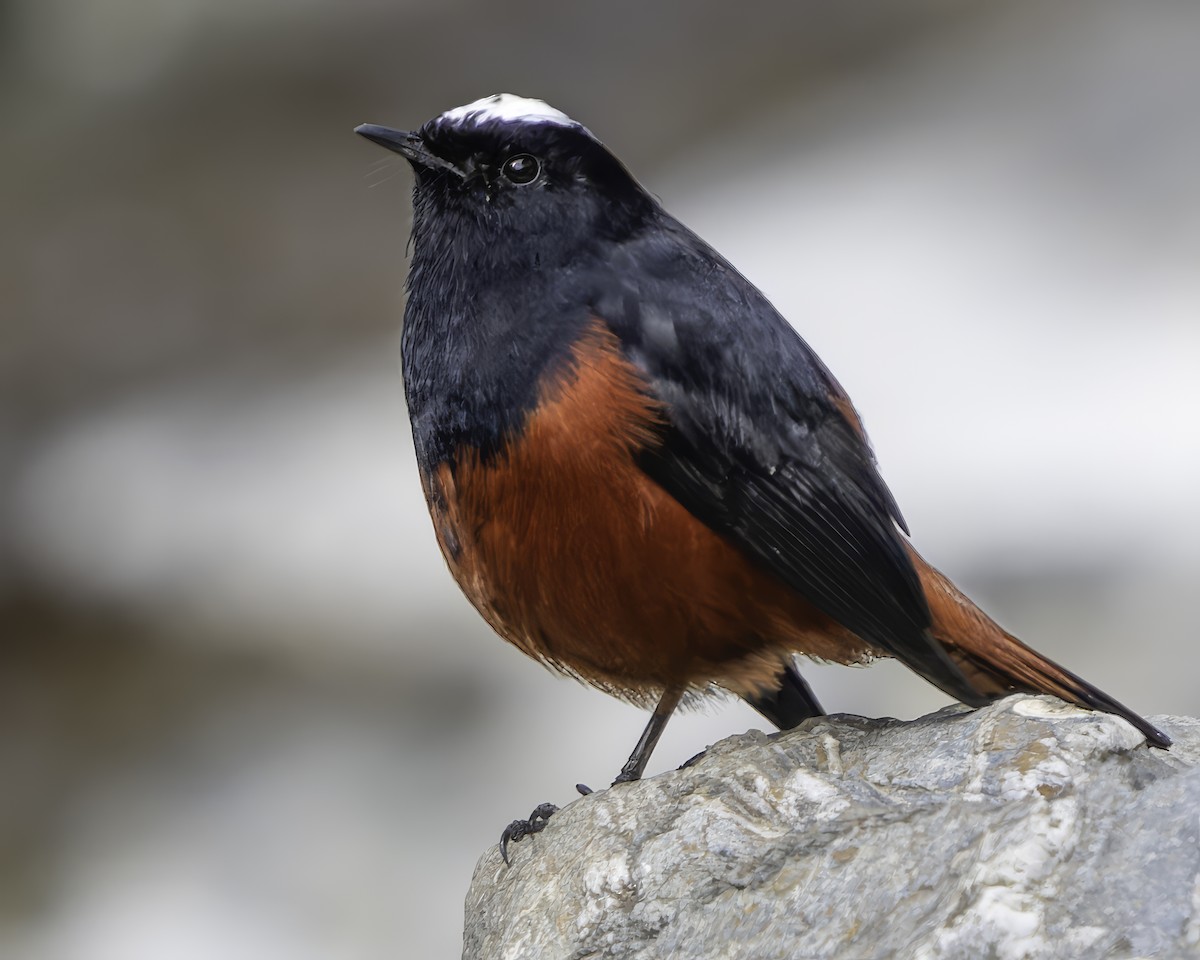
[(523, 828), (514, 831), (583, 789)]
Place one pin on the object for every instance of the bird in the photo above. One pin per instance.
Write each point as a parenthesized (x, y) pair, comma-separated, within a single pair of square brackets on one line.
[(638, 472)]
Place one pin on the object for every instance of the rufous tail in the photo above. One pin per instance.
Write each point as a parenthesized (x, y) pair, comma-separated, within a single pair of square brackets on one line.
[(996, 663)]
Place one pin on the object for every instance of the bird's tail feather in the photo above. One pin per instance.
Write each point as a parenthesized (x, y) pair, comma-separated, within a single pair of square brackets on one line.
[(996, 663)]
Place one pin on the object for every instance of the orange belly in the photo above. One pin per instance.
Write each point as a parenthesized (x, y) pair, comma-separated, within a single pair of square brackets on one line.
[(578, 558)]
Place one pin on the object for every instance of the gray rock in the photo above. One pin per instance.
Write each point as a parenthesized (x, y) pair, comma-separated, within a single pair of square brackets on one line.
[(1028, 829)]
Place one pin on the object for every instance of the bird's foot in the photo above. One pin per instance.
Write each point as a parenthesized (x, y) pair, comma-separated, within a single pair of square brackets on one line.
[(519, 829)]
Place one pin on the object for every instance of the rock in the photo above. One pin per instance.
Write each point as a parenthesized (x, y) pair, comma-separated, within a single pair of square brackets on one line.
[(1028, 829)]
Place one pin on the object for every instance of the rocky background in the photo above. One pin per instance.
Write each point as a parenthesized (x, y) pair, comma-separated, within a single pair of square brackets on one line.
[(243, 710)]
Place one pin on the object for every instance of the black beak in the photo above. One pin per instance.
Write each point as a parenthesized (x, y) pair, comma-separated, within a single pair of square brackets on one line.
[(408, 145)]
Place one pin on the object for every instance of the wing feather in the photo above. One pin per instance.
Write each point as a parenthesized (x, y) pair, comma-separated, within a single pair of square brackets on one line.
[(757, 446)]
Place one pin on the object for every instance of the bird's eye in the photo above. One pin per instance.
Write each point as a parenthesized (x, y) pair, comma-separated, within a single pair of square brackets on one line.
[(521, 169)]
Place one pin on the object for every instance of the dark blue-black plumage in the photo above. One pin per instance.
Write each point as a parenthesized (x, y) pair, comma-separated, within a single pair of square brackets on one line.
[(757, 440), (755, 445), (504, 275)]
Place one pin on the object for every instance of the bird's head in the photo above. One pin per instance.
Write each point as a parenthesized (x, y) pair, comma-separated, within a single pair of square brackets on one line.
[(506, 168)]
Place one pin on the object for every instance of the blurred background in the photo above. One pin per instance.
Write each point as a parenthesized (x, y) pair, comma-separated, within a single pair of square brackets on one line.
[(244, 711)]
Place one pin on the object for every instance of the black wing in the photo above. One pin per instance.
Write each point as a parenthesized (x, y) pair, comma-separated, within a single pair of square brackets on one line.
[(759, 449)]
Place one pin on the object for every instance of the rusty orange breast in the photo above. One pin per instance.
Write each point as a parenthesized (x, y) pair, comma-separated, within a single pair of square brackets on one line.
[(577, 557)]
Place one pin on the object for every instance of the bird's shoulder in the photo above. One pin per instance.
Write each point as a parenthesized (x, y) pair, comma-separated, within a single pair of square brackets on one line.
[(716, 351)]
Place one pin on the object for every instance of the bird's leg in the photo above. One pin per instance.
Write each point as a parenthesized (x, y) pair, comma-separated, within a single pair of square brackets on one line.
[(636, 763), (632, 770)]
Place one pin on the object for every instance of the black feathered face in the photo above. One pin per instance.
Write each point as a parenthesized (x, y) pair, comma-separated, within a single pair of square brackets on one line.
[(507, 182), (493, 182)]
